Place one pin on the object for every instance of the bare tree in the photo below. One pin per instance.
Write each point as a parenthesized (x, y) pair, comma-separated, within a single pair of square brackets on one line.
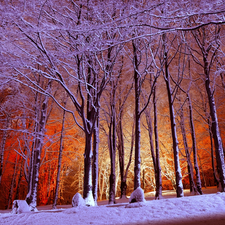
[(167, 78), (194, 145), (158, 177), (138, 47), (208, 45), (39, 132), (193, 187), (112, 142), (59, 158), (154, 149), (123, 90)]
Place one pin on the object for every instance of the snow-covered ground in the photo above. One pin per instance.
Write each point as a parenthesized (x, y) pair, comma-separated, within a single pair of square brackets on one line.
[(205, 209)]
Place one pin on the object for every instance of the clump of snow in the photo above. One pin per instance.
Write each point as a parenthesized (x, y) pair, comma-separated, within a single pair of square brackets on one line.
[(78, 200), (20, 206), (137, 196), (89, 201)]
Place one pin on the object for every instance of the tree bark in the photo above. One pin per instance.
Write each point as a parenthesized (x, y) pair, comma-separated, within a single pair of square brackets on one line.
[(150, 131), (137, 160), (2, 153), (194, 147), (216, 179), (155, 151), (209, 47), (87, 189), (120, 147), (216, 136), (179, 185), (12, 184), (19, 180), (129, 162), (215, 125), (202, 171), (158, 177), (90, 121), (112, 142), (95, 160), (187, 153), (31, 197), (59, 162)]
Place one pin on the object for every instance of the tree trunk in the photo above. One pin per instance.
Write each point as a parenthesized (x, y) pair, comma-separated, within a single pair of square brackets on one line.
[(31, 197), (137, 159), (29, 178), (187, 153), (203, 175), (12, 185), (194, 147), (216, 179), (2, 153), (209, 53), (143, 179), (95, 160), (120, 147), (87, 189), (155, 151), (215, 127), (4, 136), (150, 131), (30, 174), (179, 185), (158, 177), (128, 164), (112, 142), (59, 162), (19, 180), (49, 185)]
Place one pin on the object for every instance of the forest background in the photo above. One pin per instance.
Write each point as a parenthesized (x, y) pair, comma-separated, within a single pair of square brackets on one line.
[(102, 97)]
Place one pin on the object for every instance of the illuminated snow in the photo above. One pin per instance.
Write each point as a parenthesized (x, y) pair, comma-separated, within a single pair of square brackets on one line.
[(191, 209), (137, 196), (78, 200), (20, 206)]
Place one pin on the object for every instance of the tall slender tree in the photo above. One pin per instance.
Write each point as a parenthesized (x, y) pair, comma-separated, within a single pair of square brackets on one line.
[(39, 132), (208, 44), (167, 78), (59, 158)]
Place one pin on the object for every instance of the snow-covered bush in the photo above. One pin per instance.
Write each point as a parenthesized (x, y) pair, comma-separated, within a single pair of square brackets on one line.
[(20, 206), (137, 196), (78, 200)]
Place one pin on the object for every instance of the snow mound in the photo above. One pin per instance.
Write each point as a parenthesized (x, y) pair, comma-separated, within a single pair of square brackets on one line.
[(137, 196), (78, 200), (135, 205), (71, 210), (20, 206), (200, 209), (89, 201)]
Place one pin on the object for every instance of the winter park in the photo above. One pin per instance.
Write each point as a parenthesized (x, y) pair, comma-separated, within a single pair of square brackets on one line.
[(112, 112)]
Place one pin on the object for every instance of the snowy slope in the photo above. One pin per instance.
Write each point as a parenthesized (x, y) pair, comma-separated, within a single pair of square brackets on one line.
[(205, 209)]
